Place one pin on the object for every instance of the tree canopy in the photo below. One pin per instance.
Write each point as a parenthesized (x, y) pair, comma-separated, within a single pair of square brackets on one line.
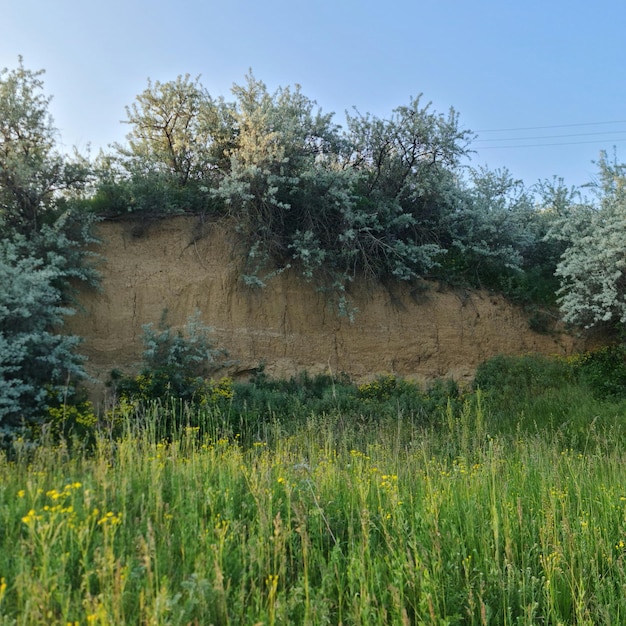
[(33, 174), (592, 269), (41, 252)]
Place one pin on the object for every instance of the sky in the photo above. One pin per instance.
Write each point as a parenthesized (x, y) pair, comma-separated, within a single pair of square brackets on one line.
[(542, 83)]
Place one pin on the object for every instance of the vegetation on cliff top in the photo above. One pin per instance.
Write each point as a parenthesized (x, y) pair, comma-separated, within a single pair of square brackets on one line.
[(384, 198)]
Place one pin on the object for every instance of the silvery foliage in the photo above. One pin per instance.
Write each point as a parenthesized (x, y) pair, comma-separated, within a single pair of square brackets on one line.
[(336, 203), (304, 193), (384, 198), (406, 167), (592, 270), (495, 219), (169, 132), (174, 153), (37, 364), (185, 352), (34, 176), (41, 253)]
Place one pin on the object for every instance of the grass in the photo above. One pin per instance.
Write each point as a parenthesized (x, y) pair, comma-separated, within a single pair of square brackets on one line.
[(390, 522)]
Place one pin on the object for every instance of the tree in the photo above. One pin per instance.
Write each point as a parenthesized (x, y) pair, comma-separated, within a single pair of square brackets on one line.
[(336, 203), (592, 270), (33, 174), (176, 150), (490, 231), (283, 181), (177, 129), (38, 365), (406, 168), (384, 198), (41, 253)]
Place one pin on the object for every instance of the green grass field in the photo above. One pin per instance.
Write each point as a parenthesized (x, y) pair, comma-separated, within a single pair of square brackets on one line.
[(481, 516)]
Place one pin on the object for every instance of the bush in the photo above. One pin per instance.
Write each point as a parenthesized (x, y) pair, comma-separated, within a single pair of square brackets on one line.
[(176, 370), (603, 371), (522, 376), (42, 255), (38, 365), (262, 401)]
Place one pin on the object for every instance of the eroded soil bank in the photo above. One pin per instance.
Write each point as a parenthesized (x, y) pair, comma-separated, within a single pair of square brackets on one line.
[(179, 265)]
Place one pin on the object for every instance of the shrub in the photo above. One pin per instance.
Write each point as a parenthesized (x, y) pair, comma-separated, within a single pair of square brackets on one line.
[(603, 370), (71, 422), (176, 370), (38, 366), (522, 375), (42, 255), (290, 401)]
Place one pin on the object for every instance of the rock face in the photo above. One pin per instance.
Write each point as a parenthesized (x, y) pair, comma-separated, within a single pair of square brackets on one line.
[(179, 265)]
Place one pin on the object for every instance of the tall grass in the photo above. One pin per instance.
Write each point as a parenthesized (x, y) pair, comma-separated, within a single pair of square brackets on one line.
[(388, 523)]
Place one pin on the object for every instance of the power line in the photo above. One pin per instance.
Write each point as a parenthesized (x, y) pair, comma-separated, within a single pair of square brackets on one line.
[(606, 132), (546, 145), (503, 130)]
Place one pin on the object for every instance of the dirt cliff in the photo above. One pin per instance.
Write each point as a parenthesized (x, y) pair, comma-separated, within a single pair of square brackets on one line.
[(175, 265)]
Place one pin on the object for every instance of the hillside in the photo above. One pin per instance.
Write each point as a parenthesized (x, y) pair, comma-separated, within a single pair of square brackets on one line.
[(288, 326)]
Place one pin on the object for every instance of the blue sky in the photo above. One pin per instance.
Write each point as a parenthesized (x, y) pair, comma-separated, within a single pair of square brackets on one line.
[(554, 68)]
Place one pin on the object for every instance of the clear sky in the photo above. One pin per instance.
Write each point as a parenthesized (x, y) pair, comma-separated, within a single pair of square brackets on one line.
[(554, 68)]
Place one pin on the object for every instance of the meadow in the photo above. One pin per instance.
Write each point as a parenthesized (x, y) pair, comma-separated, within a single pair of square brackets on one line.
[(493, 507)]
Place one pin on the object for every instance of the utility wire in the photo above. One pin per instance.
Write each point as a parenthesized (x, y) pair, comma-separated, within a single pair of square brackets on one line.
[(606, 132), (616, 136), (545, 145), (502, 130)]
